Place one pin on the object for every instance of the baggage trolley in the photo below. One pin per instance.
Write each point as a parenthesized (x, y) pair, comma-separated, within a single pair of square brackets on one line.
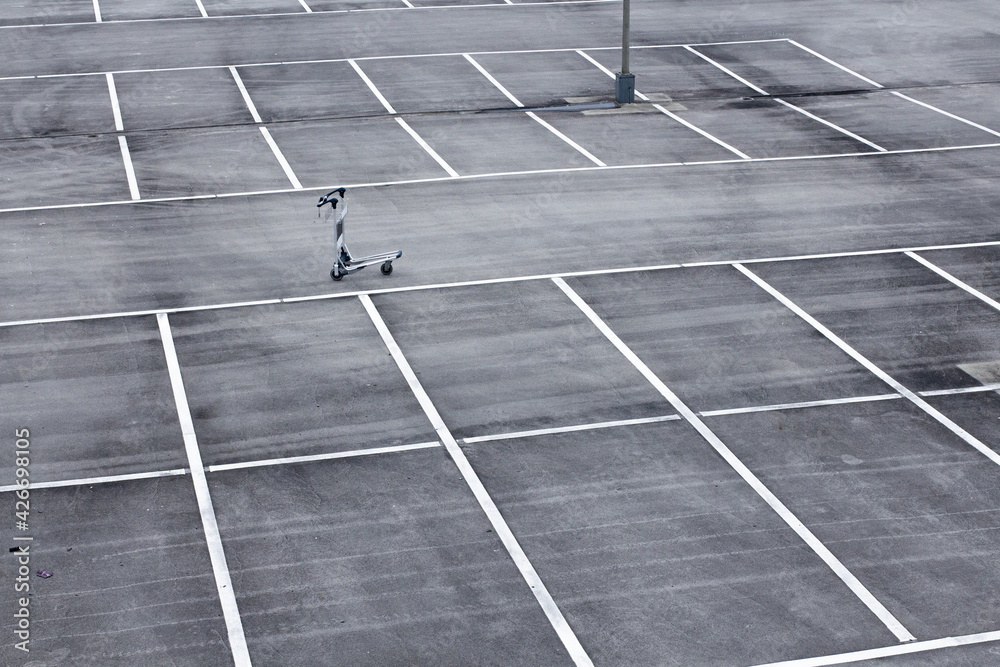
[(335, 204)]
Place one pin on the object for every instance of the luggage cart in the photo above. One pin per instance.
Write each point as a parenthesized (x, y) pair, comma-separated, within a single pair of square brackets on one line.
[(336, 208)]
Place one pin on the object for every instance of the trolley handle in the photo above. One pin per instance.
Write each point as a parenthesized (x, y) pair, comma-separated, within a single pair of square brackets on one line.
[(329, 199)]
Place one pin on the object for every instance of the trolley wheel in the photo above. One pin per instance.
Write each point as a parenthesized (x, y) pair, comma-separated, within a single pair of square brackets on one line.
[(386, 268), (336, 274)]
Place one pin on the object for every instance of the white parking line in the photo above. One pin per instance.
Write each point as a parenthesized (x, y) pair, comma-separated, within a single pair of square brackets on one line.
[(835, 64), (427, 147), (799, 406), (500, 527), (280, 157), (487, 281), (789, 105), (371, 85), (713, 440), (201, 8), (569, 429), (961, 390), (491, 79), (834, 126), (889, 651), (223, 582), (107, 479), (305, 6), (875, 370), (946, 113), (727, 71), (954, 281), (806, 535), (133, 183), (115, 107), (354, 453), (583, 151), (443, 54), (246, 95), (97, 12), (670, 114), (580, 149)]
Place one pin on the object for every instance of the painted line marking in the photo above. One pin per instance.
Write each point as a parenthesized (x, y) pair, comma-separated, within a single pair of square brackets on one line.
[(246, 95), (820, 549), (539, 4), (427, 147), (371, 85), (486, 281), (872, 368), (889, 651), (962, 390), (97, 12), (707, 135), (323, 457), (133, 184), (727, 71), (115, 107), (408, 4), (99, 480), (946, 113), (834, 126), (835, 64), (201, 8), (953, 280), (275, 63), (492, 79), (305, 6), (783, 102), (280, 157), (670, 114), (798, 406), (500, 527), (569, 429), (580, 149), (223, 582)]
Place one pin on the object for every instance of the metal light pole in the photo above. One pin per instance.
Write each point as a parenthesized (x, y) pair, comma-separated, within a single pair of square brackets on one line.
[(624, 80)]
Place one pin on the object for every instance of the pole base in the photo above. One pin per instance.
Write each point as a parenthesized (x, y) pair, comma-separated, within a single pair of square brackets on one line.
[(624, 88)]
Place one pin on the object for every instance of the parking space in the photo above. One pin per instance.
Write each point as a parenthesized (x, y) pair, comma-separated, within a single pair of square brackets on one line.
[(180, 98), (974, 103), (307, 379), (547, 79), (125, 10), (131, 579), (977, 267), (620, 138), (204, 161), (243, 7), (519, 357), (371, 150), (96, 395), (781, 68), (374, 561), (720, 342), (675, 73), (653, 547), (46, 11), (910, 322), (32, 108), (906, 505), (437, 83), (763, 128), (37, 172), (497, 142), (309, 90), (892, 122)]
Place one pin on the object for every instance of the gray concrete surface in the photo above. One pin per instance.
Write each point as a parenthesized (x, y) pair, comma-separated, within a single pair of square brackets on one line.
[(346, 533)]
